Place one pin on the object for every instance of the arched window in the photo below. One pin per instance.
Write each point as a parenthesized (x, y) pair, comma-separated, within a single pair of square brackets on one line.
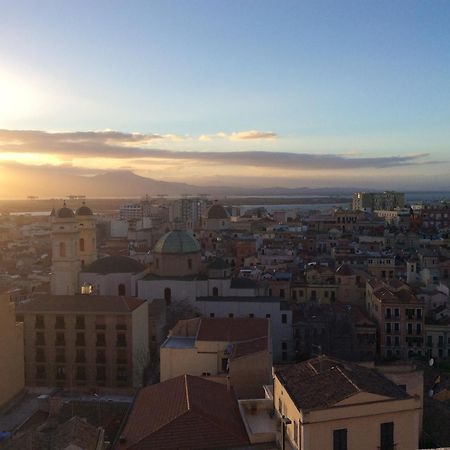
[(82, 245), (121, 289), (167, 295), (215, 292), (62, 249)]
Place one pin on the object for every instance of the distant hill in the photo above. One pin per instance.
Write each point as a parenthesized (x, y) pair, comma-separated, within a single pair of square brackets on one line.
[(18, 182)]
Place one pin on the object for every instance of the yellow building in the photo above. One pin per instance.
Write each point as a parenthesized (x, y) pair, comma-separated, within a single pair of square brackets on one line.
[(325, 403), (11, 350), (223, 349)]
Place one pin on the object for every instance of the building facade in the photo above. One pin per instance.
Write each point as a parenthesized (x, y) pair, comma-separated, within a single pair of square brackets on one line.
[(84, 342)]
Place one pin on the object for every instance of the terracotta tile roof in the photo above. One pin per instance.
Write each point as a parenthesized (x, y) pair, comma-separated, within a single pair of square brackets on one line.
[(79, 304), (232, 329), (240, 349), (323, 382), (186, 413)]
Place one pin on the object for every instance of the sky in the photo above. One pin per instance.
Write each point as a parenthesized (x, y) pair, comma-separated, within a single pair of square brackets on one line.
[(250, 92)]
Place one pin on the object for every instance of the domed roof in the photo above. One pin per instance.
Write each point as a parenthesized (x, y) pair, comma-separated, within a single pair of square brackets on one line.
[(217, 211), (84, 210), (115, 264), (178, 242), (344, 270), (65, 212)]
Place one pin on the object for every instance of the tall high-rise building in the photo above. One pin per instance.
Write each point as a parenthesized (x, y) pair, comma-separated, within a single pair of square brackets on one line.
[(372, 201)]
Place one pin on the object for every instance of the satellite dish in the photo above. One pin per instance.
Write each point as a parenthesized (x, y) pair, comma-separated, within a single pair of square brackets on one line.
[(431, 362)]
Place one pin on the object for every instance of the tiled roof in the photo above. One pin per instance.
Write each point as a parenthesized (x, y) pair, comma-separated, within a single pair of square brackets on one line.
[(232, 329), (186, 413), (79, 304), (323, 382), (245, 348), (239, 299), (115, 264)]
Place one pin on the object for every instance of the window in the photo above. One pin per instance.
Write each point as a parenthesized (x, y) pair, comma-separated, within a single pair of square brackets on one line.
[(211, 315), (101, 341), (81, 373), (282, 293), (121, 340), (59, 322), (121, 356), (251, 315), (167, 295), (225, 365), (80, 323), (340, 439), (230, 315), (101, 373), (122, 375), (62, 249), (40, 338), (60, 339), (283, 318), (294, 295), (397, 313), (40, 372), (267, 316), (80, 356), (61, 373), (100, 323), (60, 355), (121, 290), (40, 355), (100, 357), (39, 323), (215, 292), (387, 436), (82, 245), (189, 264)]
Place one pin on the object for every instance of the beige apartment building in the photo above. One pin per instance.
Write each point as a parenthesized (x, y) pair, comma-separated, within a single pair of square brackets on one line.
[(226, 350), (11, 351), (327, 404), (85, 342), (400, 317)]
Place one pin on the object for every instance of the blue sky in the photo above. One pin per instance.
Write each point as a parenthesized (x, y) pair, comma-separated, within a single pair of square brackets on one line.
[(359, 78)]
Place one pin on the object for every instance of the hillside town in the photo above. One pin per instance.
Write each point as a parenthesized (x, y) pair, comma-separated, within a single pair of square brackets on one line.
[(191, 323)]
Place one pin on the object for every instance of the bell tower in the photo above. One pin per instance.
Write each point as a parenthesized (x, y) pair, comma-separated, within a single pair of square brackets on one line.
[(88, 240), (65, 252)]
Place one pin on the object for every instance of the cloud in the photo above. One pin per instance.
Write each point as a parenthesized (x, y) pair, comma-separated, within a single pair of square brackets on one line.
[(118, 145), (250, 135)]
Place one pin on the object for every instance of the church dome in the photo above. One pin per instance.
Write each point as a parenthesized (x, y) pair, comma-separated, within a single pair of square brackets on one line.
[(177, 242), (84, 211), (65, 212), (217, 211)]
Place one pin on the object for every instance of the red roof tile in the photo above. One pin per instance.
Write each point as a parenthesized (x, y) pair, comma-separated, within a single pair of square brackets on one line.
[(185, 412)]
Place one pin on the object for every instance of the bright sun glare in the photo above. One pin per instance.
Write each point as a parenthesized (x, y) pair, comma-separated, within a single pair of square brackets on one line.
[(18, 97)]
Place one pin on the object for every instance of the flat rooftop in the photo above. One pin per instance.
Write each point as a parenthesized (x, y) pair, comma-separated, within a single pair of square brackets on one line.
[(179, 342)]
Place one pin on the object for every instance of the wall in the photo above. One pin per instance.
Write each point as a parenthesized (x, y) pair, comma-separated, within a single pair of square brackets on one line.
[(12, 371)]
